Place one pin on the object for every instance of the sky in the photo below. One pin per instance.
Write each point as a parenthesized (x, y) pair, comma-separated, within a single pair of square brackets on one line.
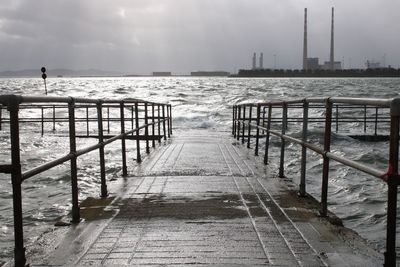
[(141, 36)]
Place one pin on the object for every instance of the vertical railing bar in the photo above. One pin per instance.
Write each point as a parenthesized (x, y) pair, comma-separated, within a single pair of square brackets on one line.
[(146, 129), (123, 142), (239, 123), (337, 118), (233, 121), (258, 129), (163, 116), (87, 120), (153, 141), (325, 168), (244, 121), (283, 143), (302, 187), (267, 134), (168, 122), (1, 117), (159, 123), (376, 121), (365, 118), (103, 193), (132, 118), (54, 118), (138, 156), (249, 129), (16, 178), (74, 167), (108, 119), (42, 121), (170, 119), (392, 182)]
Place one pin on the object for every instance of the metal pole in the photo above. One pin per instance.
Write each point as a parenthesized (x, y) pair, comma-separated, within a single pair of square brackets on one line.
[(16, 178), (132, 118), (243, 124), (302, 187), (233, 121), (267, 135), (87, 121), (74, 169), (325, 168), (393, 180), (170, 119), (146, 129), (101, 150), (138, 157), (158, 123), (258, 130), (168, 123), (163, 116), (365, 119), (238, 122), (376, 121), (54, 118), (42, 122), (284, 126), (337, 118), (249, 129), (153, 142), (1, 117), (123, 143), (108, 119)]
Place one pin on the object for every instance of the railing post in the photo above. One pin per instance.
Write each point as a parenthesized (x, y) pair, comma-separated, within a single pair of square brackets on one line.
[(283, 143), (238, 122), (302, 187), (132, 118), (258, 129), (42, 121), (393, 181), (337, 118), (267, 134), (325, 168), (1, 117), (244, 121), (163, 116), (376, 121), (153, 141), (170, 120), (146, 129), (168, 123), (159, 122), (365, 118), (138, 157), (87, 120), (234, 121), (74, 168), (101, 150), (249, 129), (123, 143), (54, 118), (16, 179), (108, 119)]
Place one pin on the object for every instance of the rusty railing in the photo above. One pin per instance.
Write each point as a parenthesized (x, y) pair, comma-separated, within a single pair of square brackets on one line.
[(259, 117), (149, 122)]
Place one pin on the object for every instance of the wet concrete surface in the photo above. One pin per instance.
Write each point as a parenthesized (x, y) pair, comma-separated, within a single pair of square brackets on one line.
[(203, 199)]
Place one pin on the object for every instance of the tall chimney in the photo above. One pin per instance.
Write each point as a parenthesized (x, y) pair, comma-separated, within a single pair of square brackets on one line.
[(332, 55), (261, 60), (254, 61), (305, 67)]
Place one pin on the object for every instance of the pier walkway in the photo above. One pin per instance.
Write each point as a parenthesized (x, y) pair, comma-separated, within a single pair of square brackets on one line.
[(203, 199)]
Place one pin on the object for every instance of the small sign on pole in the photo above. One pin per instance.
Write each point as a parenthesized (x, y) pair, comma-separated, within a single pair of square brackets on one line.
[(44, 76)]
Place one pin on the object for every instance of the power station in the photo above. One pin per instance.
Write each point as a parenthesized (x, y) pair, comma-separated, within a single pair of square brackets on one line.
[(313, 62)]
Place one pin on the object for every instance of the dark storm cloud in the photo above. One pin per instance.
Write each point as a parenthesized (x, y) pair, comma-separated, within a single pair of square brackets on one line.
[(183, 35)]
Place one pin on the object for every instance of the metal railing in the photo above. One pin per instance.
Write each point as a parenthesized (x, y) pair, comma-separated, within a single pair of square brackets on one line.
[(245, 121), (149, 122)]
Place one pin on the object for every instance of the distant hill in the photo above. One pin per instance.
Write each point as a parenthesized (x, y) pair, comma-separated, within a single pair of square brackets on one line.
[(59, 72)]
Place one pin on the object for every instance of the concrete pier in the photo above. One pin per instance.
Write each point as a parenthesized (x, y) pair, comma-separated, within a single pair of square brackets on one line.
[(203, 199)]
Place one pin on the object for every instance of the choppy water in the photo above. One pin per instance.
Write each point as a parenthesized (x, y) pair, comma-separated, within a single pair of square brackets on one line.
[(358, 199)]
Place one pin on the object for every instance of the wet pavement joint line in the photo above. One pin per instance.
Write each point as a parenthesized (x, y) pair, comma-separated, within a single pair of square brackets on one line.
[(266, 253), (291, 222), (234, 160), (244, 161), (178, 156), (159, 157), (174, 146)]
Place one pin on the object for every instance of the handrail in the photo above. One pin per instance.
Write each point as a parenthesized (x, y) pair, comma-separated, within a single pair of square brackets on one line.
[(142, 112), (242, 119)]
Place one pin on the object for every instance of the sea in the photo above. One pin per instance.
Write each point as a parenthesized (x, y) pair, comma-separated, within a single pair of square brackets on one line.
[(198, 103)]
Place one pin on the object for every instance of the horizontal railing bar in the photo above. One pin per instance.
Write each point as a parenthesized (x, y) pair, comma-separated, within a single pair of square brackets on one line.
[(46, 166)]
